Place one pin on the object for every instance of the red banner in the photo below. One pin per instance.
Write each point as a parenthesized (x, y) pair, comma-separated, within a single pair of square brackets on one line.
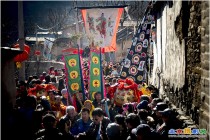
[(101, 25)]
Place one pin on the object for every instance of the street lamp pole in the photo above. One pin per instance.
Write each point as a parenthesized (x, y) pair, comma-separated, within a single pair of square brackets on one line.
[(21, 40)]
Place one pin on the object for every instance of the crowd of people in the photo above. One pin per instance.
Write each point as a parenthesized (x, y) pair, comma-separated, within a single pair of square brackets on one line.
[(45, 110)]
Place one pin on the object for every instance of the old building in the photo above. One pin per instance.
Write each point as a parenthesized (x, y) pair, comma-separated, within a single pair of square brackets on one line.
[(181, 58)]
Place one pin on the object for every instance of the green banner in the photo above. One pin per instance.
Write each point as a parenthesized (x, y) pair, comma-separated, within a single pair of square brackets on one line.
[(95, 75), (73, 71)]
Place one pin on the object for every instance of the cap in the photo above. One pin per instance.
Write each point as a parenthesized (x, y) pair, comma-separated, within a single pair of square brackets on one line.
[(160, 106), (113, 130), (142, 129), (142, 105), (167, 112)]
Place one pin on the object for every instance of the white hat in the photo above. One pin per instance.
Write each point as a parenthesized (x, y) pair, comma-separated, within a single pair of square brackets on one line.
[(64, 91)]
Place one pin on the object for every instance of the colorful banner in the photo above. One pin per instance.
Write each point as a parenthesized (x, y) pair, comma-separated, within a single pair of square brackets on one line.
[(135, 64), (73, 69), (95, 75), (101, 26)]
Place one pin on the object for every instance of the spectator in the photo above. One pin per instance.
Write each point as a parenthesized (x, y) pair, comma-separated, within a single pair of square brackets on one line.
[(113, 131), (82, 124), (97, 99), (98, 127), (50, 131), (132, 121)]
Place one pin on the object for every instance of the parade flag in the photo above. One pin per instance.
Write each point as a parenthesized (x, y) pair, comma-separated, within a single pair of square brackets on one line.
[(101, 25), (73, 73), (135, 63), (95, 81)]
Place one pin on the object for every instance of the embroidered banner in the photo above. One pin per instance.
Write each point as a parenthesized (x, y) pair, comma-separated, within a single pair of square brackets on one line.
[(73, 74), (101, 26), (95, 75), (135, 62)]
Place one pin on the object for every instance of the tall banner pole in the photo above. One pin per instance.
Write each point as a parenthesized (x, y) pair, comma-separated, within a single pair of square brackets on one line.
[(82, 81), (102, 82)]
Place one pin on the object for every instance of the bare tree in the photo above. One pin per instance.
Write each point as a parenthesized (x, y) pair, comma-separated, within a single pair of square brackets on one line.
[(57, 19)]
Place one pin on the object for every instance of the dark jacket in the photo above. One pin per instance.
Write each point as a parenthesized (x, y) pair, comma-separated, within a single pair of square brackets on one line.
[(50, 134), (92, 132)]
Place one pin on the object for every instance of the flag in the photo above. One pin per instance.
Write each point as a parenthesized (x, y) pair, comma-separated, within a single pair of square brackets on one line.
[(95, 81), (101, 25), (73, 72), (135, 62)]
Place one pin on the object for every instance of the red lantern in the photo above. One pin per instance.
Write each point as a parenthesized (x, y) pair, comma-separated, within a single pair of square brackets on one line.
[(102, 50), (81, 51), (37, 53)]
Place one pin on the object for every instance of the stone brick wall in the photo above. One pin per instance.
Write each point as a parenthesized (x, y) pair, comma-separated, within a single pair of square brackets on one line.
[(189, 23), (204, 30)]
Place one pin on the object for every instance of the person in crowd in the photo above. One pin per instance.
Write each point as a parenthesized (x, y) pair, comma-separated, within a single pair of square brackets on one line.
[(71, 115), (50, 132), (114, 72), (51, 97), (159, 107), (169, 122), (97, 99), (152, 96), (128, 108), (154, 102), (120, 119), (61, 84), (109, 111), (82, 124), (45, 104), (64, 125), (58, 107), (97, 128), (35, 77), (42, 77), (80, 99), (51, 70), (113, 131), (88, 104), (144, 132), (47, 79), (64, 99), (144, 97), (30, 78), (132, 121), (142, 105)]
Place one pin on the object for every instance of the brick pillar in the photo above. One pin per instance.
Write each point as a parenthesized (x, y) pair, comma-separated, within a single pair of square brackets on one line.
[(204, 111)]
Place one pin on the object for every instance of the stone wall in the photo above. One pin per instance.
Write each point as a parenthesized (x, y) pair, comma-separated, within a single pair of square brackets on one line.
[(181, 64), (204, 30)]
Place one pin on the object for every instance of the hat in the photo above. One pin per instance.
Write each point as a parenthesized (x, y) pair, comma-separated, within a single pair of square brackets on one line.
[(64, 91), (167, 112), (142, 129), (48, 118), (160, 106), (113, 130), (142, 105), (144, 97)]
